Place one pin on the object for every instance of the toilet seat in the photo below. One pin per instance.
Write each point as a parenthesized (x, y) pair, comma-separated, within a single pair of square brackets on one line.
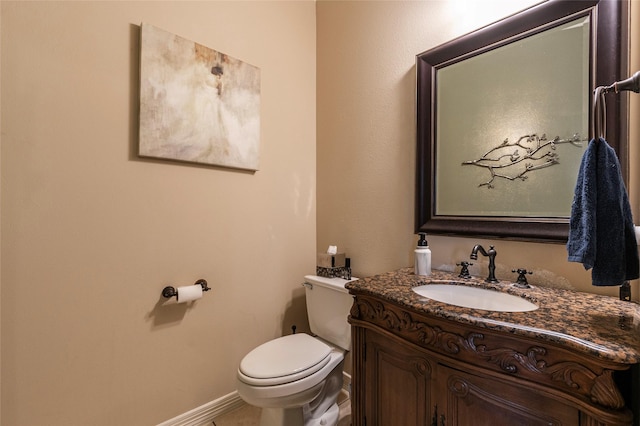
[(283, 360)]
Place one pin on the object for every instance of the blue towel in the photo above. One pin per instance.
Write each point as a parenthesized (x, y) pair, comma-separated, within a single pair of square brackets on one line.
[(601, 230)]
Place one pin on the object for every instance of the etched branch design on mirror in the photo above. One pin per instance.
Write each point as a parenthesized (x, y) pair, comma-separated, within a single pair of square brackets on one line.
[(514, 160)]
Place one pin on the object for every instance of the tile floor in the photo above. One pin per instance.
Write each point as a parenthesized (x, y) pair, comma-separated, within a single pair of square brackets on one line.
[(248, 415)]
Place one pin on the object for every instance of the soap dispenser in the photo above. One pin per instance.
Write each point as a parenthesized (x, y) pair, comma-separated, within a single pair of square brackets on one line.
[(422, 256)]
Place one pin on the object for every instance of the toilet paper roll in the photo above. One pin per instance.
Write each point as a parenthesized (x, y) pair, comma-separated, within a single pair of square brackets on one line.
[(189, 293)]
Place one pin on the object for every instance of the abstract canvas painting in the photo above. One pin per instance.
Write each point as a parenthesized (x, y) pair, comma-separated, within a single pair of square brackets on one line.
[(197, 104)]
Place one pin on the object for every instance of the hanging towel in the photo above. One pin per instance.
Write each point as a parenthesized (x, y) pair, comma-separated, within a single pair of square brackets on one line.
[(601, 230)]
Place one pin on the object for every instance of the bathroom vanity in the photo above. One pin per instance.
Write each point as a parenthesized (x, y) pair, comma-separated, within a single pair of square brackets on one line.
[(416, 361)]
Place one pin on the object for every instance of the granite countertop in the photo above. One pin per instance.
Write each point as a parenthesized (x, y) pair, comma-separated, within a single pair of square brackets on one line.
[(601, 326)]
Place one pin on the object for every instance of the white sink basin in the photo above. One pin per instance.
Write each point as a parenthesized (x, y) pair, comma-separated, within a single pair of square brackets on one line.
[(475, 298)]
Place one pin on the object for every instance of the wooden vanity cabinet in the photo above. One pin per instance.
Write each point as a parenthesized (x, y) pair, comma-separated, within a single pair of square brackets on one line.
[(398, 383), (412, 369), (480, 400)]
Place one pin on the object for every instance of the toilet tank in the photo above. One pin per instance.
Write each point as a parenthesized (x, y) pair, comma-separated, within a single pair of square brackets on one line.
[(328, 306)]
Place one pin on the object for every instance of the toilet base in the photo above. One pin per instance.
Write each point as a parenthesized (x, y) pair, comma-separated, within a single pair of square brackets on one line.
[(281, 417), (321, 410), (295, 417), (329, 418)]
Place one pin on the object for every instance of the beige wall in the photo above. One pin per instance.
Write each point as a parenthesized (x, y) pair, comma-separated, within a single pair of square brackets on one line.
[(366, 138), (91, 234)]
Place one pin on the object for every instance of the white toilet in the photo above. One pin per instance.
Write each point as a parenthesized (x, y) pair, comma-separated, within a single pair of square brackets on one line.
[(296, 379)]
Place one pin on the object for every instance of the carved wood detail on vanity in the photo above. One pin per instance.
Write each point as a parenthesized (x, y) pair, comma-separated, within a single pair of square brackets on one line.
[(586, 379)]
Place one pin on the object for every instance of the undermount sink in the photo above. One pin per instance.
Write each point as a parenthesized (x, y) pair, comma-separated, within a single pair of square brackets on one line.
[(475, 298)]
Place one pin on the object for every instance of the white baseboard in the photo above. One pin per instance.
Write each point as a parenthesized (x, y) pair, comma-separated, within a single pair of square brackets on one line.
[(204, 414)]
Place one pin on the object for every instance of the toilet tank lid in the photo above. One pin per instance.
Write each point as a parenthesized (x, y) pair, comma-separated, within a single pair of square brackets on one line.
[(284, 356), (334, 283)]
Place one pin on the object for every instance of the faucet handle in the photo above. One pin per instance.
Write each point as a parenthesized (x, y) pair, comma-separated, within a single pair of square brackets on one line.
[(521, 282), (464, 270)]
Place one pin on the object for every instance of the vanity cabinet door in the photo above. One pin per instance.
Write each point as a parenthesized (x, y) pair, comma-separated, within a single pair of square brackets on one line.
[(398, 383), (474, 400)]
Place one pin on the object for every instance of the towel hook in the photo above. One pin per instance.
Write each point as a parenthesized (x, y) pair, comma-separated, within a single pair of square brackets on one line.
[(599, 111), (599, 114), (631, 84)]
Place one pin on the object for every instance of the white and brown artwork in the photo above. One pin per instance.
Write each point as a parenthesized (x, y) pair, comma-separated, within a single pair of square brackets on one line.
[(197, 104)]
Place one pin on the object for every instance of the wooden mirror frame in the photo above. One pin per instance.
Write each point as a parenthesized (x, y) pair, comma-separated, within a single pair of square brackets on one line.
[(608, 63)]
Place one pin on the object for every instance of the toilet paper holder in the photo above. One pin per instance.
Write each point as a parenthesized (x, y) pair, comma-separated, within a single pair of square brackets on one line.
[(169, 291)]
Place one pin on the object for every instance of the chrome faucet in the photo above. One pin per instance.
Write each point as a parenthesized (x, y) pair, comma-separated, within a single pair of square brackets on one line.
[(491, 254)]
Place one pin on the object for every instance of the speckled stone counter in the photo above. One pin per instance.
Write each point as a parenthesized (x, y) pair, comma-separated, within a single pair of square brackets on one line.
[(597, 325)]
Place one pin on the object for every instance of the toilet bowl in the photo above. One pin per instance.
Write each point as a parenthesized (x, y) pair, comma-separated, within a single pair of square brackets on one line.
[(296, 379), (298, 376)]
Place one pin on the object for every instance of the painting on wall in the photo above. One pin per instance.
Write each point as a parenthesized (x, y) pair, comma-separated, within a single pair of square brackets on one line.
[(197, 104)]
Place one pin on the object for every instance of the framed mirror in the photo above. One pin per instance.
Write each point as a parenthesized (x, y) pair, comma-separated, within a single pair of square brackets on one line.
[(503, 119)]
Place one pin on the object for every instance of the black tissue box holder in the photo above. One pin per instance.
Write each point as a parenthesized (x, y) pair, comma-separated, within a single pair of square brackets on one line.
[(343, 272)]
